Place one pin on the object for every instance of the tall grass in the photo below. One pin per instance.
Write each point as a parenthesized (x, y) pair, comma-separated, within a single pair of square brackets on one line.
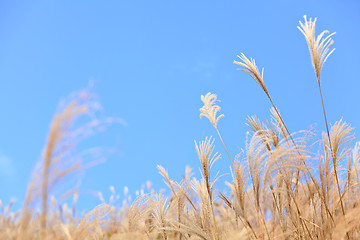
[(279, 188)]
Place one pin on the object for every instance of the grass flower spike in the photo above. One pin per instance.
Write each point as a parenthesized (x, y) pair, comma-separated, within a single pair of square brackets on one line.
[(207, 159), (250, 68), (319, 51), (319, 46), (210, 109)]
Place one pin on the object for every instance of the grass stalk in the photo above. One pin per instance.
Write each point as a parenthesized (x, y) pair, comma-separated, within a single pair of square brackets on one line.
[(331, 151)]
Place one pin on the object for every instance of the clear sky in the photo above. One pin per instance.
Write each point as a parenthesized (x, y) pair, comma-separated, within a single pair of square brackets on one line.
[(151, 61)]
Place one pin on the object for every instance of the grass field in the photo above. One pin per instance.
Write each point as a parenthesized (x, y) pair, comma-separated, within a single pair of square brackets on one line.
[(276, 193)]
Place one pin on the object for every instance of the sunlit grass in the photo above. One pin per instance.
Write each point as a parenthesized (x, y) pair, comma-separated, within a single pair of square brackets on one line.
[(274, 192)]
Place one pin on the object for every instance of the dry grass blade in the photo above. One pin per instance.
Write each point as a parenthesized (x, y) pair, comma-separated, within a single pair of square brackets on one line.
[(240, 182), (57, 162), (60, 159), (356, 159), (92, 220), (341, 136), (191, 228), (347, 223), (207, 219), (159, 213), (137, 212), (167, 180), (279, 123), (207, 159)]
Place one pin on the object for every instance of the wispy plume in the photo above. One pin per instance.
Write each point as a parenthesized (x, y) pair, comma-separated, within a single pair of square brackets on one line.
[(319, 51), (205, 153), (318, 46), (210, 109), (249, 66)]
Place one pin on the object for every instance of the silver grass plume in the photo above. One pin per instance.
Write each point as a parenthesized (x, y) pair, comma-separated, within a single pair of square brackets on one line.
[(210, 109), (250, 68), (318, 46)]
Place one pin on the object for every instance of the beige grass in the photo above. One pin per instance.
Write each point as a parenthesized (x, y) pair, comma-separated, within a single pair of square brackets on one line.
[(279, 188)]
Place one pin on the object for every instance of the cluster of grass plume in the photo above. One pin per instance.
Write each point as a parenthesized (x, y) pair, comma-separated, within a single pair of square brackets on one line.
[(279, 188)]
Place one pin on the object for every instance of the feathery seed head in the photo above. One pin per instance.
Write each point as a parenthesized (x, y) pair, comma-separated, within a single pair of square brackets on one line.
[(207, 158), (210, 109), (318, 46), (250, 68), (341, 136)]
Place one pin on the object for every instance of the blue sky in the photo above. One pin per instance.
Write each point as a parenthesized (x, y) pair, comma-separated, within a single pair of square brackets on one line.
[(150, 62)]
